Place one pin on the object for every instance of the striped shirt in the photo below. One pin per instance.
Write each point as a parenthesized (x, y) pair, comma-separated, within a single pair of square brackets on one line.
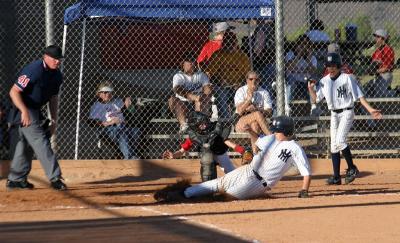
[(276, 157), (339, 93)]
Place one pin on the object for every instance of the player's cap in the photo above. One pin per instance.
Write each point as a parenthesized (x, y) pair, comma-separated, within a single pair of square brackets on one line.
[(333, 48), (381, 33), (221, 26), (53, 51), (333, 59)]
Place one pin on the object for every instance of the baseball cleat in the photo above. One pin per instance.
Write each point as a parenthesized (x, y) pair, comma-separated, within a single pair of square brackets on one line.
[(172, 193), (19, 185), (351, 174), (58, 185), (334, 181)]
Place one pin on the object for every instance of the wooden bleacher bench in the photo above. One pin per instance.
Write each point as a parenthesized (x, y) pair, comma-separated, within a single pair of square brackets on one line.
[(309, 131)]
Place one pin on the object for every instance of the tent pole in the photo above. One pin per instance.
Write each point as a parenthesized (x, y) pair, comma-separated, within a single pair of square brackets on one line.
[(78, 111), (64, 42), (250, 43), (280, 69), (53, 139)]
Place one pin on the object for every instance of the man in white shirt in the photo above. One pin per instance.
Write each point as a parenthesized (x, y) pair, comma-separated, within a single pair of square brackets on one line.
[(253, 104), (192, 92)]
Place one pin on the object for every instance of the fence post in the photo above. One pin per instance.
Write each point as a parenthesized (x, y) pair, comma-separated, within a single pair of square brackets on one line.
[(280, 69)]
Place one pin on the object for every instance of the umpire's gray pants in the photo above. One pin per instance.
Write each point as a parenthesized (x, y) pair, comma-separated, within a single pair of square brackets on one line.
[(33, 138)]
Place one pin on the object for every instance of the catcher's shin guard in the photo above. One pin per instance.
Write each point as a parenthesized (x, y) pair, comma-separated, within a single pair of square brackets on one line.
[(208, 168)]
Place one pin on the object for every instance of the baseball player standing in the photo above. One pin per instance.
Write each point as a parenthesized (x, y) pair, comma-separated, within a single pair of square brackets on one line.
[(278, 152), (37, 84), (340, 91)]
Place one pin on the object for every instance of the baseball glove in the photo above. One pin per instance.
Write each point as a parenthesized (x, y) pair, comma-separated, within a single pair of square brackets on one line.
[(247, 157), (303, 194), (173, 192)]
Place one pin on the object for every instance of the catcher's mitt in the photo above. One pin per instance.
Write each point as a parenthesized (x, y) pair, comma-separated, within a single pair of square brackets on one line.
[(247, 157), (173, 192)]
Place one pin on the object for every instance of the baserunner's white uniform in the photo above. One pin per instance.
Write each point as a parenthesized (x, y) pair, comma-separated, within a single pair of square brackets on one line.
[(340, 95), (265, 170)]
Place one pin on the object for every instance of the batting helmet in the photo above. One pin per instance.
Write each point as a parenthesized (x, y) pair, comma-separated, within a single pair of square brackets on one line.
[(283, 124), (333, 59), (196, 118)]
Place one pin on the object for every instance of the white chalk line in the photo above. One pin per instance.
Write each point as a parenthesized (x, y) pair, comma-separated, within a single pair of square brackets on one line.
[(197, 222)]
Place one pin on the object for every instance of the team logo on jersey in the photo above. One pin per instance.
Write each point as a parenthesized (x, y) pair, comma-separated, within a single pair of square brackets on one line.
[(284, 155), (23, 81), (342, 92)]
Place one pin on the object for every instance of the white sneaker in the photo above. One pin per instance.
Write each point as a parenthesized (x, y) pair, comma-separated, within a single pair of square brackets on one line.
[(184, 127), (315, 110), (214, 115), (287, 110)]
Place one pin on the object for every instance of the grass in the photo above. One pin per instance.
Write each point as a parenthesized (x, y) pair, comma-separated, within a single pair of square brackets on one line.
[(396, 78)]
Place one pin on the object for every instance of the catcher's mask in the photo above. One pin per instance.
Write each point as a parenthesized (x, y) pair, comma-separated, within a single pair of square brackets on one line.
[(199, 122), (283, 124)]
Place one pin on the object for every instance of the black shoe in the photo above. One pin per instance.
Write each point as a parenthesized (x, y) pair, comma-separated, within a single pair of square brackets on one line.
[(18, 185), (351, 174), (334, 181), (58, 185)]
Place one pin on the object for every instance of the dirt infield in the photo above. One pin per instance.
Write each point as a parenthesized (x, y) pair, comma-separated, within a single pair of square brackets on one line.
[(112, 201)]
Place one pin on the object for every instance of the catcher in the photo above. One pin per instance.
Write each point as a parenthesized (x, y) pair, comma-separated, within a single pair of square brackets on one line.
[(211, 140)]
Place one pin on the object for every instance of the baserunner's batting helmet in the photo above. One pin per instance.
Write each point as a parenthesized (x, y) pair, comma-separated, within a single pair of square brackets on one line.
[(283, 124), (333, 59)]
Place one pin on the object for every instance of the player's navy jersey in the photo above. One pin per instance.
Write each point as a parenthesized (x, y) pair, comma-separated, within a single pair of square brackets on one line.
[(37, 84)]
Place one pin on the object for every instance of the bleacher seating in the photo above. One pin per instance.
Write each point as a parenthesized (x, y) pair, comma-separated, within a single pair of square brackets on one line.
[(313, 132)]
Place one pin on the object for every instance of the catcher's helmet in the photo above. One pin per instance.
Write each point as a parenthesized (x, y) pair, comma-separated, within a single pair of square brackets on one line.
[(283, 124), (333, 59), (197, 118)]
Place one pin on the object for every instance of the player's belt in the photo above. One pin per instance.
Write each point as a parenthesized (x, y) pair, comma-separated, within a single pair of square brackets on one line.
[(341, 110), (264, 183)]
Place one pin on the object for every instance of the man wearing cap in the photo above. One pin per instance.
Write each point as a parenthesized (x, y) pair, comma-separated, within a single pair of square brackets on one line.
[(382, 65), (214, 44), (110, 114), (38, 84)]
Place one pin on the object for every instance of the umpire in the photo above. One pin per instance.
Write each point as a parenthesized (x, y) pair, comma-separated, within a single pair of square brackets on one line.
[(38, 84)]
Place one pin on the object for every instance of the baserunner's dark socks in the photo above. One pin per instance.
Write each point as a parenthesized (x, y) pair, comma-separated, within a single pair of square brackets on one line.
[(336, 164), (347, 156)]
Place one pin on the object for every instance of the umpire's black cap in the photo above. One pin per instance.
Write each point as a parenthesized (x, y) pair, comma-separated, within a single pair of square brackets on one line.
[(53, 51), (333, 59)]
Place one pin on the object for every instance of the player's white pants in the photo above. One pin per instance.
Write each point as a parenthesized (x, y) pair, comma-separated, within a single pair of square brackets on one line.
[(340, 128), (224, 162), (240, 183)]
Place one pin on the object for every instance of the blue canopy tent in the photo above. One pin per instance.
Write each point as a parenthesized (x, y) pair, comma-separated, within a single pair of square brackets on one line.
[(160, 9)]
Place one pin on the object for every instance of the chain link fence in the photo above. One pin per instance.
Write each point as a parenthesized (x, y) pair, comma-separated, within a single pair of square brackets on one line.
[(118, 101)]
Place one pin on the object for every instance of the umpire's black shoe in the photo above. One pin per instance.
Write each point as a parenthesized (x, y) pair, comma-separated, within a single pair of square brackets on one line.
[(18, 185), (351, 174), (58, 185), (334, 181)]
